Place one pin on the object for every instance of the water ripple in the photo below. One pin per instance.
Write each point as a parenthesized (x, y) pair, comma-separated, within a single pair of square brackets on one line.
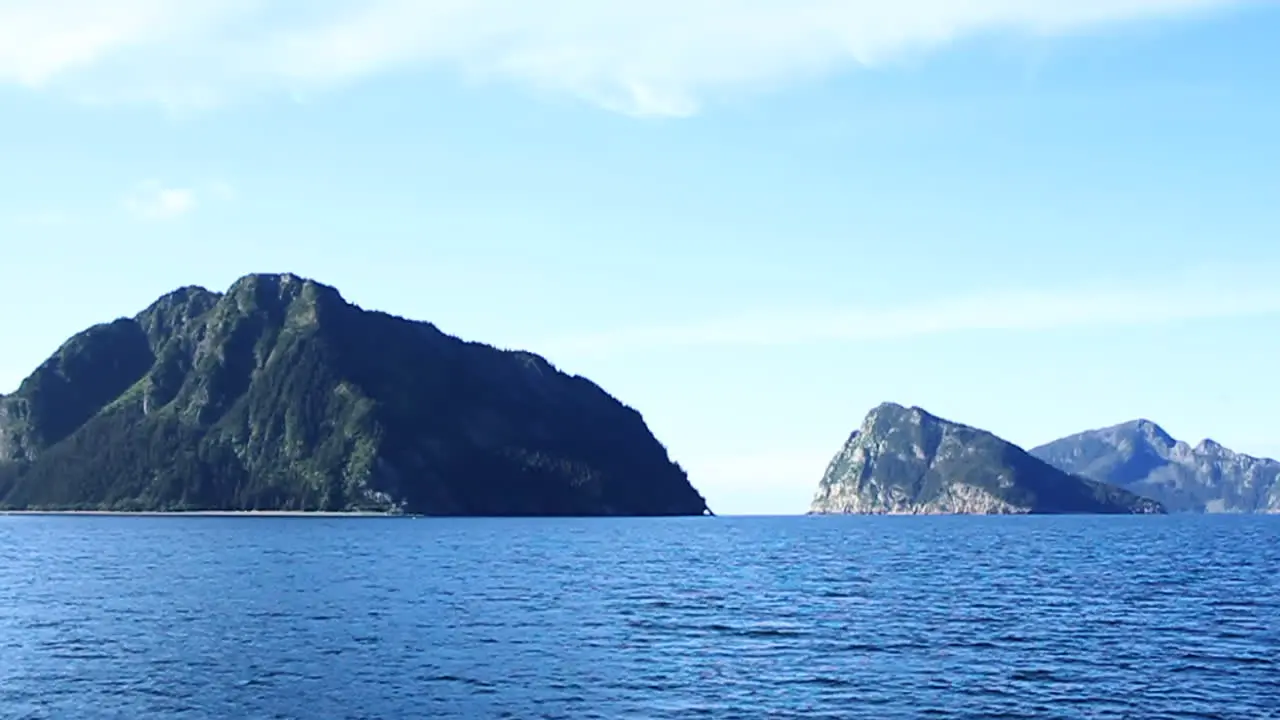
[(1099, 618)]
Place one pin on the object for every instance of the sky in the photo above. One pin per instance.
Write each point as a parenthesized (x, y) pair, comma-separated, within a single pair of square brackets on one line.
[(752, 221)]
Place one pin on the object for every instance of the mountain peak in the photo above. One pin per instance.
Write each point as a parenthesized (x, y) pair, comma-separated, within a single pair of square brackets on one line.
[(275, 289), (1209, 445), (175, 308), (1150, 431), (274, 279), (896, 412)]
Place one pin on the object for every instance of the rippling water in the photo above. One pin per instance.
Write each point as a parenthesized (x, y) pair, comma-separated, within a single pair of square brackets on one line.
[(1072, 617)]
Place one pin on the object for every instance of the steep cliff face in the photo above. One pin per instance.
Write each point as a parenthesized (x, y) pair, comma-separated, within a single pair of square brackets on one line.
[(907, 461), (1142, 457), (281, 395)]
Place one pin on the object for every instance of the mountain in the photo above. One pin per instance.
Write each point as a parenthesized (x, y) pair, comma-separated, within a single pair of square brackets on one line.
[(1142, 457), (281, 395), (907, 461)]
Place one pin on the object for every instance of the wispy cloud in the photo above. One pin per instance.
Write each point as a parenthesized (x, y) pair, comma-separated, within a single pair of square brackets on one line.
[(1210, 294), (644, 57), (154, 201)]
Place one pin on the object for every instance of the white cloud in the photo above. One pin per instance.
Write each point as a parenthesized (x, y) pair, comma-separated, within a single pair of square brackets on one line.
[(153, 201), (1205, 294), (645, 57)]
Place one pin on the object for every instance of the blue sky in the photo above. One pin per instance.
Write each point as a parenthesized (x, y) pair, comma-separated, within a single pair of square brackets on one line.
[(752, 221)]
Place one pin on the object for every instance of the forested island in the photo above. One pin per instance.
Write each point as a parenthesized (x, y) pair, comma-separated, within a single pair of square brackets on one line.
[(279, 395)]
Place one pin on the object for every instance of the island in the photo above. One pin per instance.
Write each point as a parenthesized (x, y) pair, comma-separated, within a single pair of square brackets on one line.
[(906, 461), (279, 395)]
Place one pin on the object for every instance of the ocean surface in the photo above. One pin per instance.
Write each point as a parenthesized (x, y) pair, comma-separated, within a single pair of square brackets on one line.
[(822, 617)]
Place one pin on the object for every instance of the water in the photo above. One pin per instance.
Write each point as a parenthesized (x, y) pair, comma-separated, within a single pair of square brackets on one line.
[(1071, 617)]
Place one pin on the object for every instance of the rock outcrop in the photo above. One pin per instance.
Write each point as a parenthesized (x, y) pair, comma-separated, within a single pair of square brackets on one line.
[(907, 461), (1142, 457), (280, 395)]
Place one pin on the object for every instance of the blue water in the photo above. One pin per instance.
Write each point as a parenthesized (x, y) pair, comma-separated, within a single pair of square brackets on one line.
[(1070, 617)]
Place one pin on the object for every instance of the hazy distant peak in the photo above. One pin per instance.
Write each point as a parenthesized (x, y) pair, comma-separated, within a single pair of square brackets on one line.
[(1209, 445), (1141, 456), (1151, 431)]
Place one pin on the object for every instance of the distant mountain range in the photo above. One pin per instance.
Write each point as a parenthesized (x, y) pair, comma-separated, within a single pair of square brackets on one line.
[(280, 395), (1140, 456), (908, 461)]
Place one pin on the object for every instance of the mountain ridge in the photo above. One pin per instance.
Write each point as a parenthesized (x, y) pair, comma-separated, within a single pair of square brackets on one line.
[(1206, 477)]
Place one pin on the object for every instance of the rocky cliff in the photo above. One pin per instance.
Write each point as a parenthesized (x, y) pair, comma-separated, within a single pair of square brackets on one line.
[(281, 395), (1142, 457), (907, 461)]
